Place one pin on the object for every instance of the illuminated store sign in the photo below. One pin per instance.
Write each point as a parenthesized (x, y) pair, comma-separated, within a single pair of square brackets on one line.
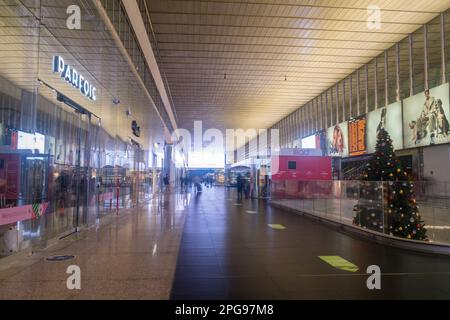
[(70, 75)]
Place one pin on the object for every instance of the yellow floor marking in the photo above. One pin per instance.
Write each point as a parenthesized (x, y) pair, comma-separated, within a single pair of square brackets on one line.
[(339, 263), (277, 226)]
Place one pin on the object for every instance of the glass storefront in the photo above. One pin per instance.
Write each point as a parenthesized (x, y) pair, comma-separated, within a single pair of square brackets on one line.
[(68, 155)]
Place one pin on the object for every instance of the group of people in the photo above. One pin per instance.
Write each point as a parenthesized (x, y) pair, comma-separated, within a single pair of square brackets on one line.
[(187, 182), (243, 187), (432, 121)]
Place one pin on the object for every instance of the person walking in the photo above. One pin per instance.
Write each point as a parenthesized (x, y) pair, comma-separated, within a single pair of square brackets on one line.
[(182, 183), (167, 183), (240, 187), (247, 187), (197, 184)]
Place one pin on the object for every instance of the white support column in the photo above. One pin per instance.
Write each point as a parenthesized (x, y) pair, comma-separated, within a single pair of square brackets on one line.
[(386, 80), (366, 69), (375, 80), (411, 77), (337, 102), (344, 113), (443, 50), (358, 78), (397, 71), (350, 94), (425, 56)]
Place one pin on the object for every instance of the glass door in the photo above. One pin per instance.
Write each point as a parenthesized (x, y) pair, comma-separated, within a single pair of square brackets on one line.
[(57, 178), (82, 170)]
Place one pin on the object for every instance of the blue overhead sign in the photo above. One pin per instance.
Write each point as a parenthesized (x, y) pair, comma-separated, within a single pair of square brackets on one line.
[(70, 75)]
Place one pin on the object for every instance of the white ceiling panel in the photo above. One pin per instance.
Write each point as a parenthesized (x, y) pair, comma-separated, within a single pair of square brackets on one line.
[(236, 63)]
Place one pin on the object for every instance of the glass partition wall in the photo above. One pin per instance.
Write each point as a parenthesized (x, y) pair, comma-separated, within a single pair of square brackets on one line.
[(339, 201), (66, 157)]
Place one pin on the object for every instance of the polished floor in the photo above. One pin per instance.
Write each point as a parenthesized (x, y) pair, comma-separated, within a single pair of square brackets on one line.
[(229, 251), (132, 255), (208, 246)]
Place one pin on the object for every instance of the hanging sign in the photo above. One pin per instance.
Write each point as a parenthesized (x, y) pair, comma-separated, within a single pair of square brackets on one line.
[(71, 76)]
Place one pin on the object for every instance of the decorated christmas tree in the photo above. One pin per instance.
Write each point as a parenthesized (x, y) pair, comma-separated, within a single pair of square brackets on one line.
[(387, 202)]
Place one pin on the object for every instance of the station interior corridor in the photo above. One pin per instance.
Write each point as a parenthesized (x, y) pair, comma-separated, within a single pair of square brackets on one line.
[(209, 246), (131, 129)]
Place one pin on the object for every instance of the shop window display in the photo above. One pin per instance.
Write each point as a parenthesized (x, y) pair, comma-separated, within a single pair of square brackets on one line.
[(46, 172)]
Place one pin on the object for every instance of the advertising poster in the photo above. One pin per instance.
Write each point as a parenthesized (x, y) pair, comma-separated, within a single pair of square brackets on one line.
[(426, 118), (389, 119), (309, 142), (70, 154), (322, 141), (60, 154), (39, 143), (337, 140), (25, 141), (297, 143), (357, 136), (50, 146), (29, 141), (317, 141), (2, 129)]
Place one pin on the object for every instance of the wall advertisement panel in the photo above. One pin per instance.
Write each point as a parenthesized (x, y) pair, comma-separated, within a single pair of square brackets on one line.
[(388, 118), (297, 143), (357, 136), (309, 142), (425, 118), (337, 140)]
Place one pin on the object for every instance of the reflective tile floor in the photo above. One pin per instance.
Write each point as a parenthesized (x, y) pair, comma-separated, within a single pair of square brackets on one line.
[(208, 246), (228, 251), (131, 257)]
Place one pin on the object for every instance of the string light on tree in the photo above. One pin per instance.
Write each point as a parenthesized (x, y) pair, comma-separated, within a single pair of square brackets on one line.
[(402, 218)]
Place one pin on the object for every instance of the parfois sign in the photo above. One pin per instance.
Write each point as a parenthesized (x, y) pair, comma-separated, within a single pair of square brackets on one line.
[(71, 75)]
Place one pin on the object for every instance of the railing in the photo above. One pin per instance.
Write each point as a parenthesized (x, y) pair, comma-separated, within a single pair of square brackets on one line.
[(368, 205), (355, 172)]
